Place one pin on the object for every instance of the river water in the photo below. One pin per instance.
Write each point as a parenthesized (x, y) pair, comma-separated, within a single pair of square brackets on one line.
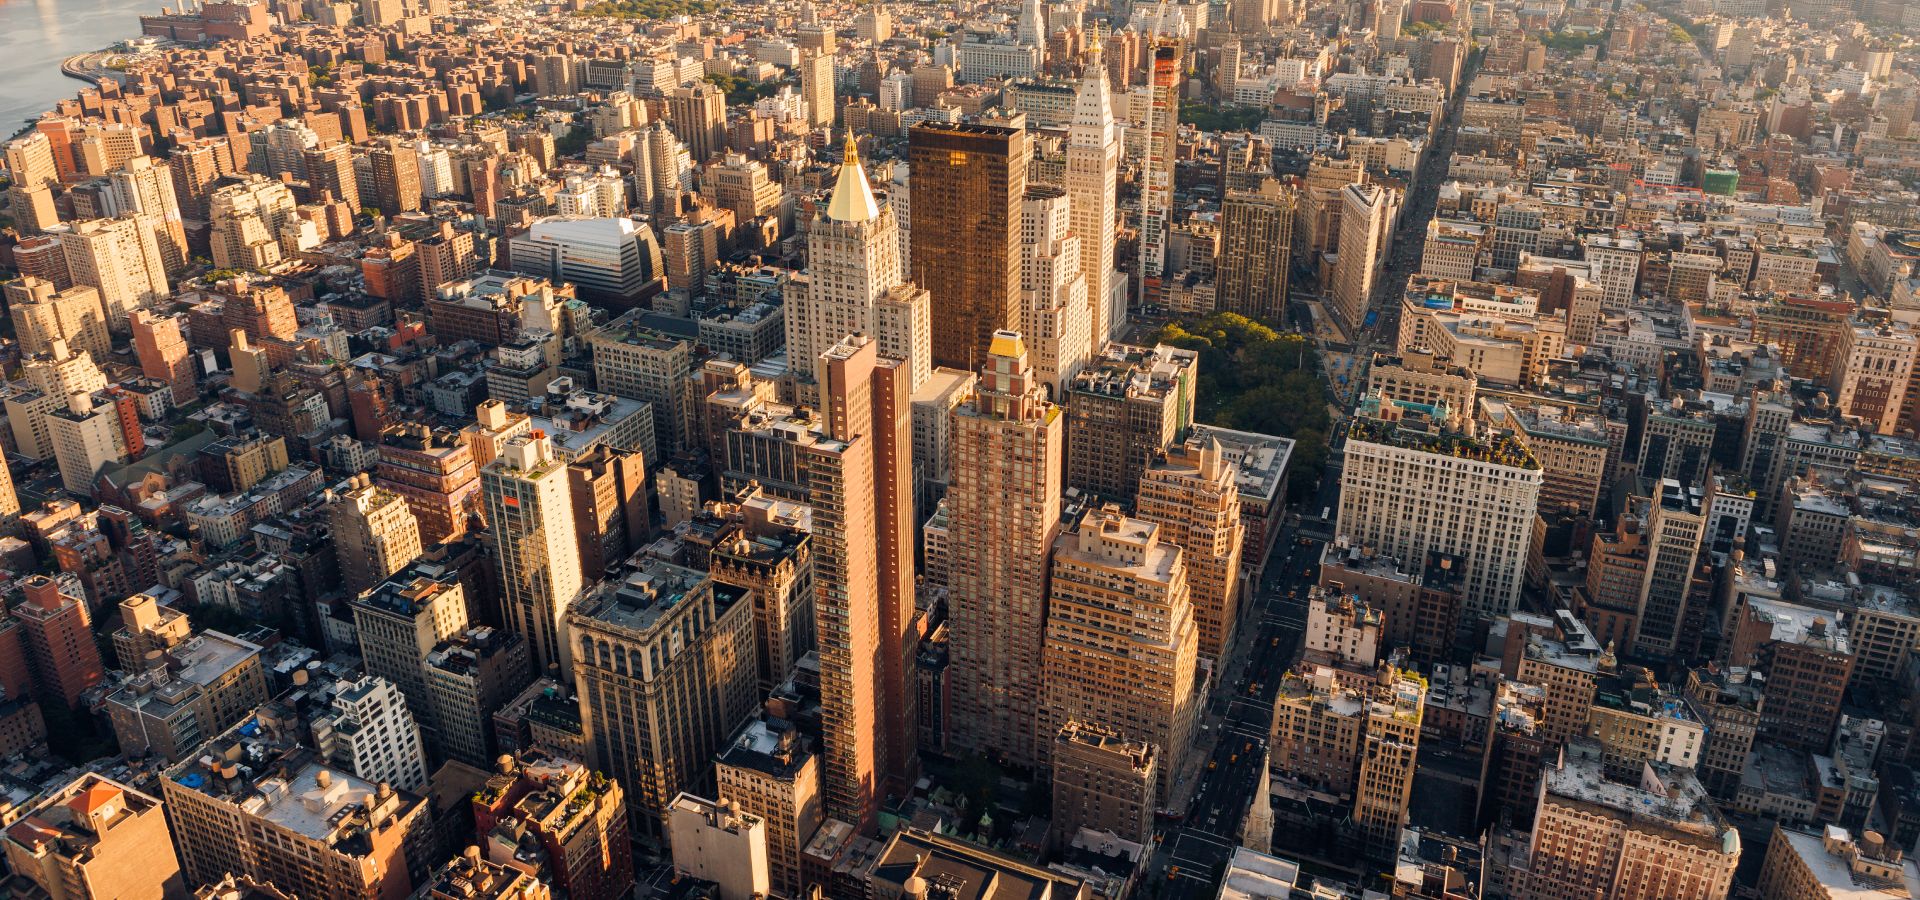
[(35, 35)]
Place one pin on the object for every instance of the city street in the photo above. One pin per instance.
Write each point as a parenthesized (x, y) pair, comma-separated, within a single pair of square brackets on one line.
[(1194, 850)]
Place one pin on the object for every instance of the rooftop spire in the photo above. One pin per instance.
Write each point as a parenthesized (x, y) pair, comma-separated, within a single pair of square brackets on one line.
[(852, 198)]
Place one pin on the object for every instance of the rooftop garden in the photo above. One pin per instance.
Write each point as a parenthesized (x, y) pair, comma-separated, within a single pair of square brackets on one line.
[(1498, 448)]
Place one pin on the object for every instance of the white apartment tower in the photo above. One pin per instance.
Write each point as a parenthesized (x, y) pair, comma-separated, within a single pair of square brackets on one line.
[(1615, 263), (119, 258), (142, 185), (1032, 31), (1054, 315)]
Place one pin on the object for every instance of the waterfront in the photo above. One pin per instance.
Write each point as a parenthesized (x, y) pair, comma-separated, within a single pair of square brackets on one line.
[(36, 35)]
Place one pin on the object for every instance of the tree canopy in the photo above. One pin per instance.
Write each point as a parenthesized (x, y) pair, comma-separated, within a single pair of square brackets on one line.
[(741, 91), (1570, 42), (1208, 117), (1253, 378), (653, 9)]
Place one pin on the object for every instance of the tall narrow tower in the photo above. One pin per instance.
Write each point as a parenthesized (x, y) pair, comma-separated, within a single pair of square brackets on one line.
[(530, 514), (1033, 25), (1256, 241), (1005, 508), (1054, 317), (1121, 647), (1093, 173), (839, 467), (858, 475), (1156, 193)]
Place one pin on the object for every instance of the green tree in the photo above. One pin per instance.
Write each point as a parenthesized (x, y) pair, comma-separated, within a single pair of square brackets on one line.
[(1253, 378), (653, 9), (741, 91), (1570, 43), (575, 141), (1208, 117)]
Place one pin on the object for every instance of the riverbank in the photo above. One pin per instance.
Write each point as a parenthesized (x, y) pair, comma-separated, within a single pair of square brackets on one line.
[(39, 40), (91, 68)]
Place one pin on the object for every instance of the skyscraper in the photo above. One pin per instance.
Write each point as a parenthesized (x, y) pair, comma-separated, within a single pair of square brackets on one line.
[(400, 620), (434, 471), (396, 176), (1093, 170), (196, 166), (1412, 485), (1125, 407), (120, 259), (854, 282), (30, 159), (1005, 507), (853, 468), (1193, 495), (330, 171), (530, 516), (1032, 28), (665, 671), (771, 770), (374, 533), (630, 359), (839, 467), (142, 185), (41, 313), (699, 118), (1120, 648), (1384, 781), (895, 522), (609, 504), (968, 183), (247, 217), (1054, 315), (86, 437), (1676, 524), (816, 88), (1366, 223), (1162, 141), (1256, 240)]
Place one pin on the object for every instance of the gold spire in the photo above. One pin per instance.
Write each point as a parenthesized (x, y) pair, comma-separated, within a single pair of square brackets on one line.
[(852, 199)]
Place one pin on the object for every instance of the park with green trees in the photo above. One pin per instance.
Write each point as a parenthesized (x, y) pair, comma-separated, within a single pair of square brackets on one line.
[(1253, 378)]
